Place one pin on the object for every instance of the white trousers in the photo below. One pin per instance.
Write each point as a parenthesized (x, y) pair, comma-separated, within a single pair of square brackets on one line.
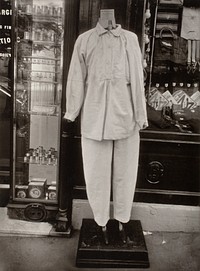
[(107, 164)]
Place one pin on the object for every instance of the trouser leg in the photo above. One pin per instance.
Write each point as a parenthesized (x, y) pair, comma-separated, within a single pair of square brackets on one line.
[(97, 159), (125, 166)]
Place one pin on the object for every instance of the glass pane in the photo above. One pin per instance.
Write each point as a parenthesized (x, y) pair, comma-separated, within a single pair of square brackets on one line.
[(39, 28), (5, 92), (174, 68)]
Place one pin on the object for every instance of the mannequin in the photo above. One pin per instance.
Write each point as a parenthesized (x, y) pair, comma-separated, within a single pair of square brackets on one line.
[(107, 21), (105, 84)]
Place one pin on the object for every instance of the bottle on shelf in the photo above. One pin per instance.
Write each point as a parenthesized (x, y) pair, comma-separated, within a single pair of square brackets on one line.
[(196, 87), (50, 11), (181, 85), (173, 87), (29, 9), (169, 97), (166, 85), (189, 89), (41, 156), (38, 10)]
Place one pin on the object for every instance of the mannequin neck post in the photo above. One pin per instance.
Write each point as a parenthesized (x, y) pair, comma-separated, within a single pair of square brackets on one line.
[(107, 18)]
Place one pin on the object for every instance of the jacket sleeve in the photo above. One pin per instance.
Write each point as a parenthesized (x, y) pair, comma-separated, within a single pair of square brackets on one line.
[(75, 82), (137, 81)]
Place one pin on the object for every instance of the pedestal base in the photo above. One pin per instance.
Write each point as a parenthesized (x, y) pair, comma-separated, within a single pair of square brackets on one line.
[(92, 251)]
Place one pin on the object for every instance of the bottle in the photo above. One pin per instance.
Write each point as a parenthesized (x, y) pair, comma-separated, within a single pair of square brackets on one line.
[(181, 85), (38, 10), (34, 9), (29, 9), (50, 11), (173, 87), (189, 89), (166, 87), (196, 88)]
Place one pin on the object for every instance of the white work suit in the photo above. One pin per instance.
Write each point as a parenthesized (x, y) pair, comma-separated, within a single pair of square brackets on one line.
[(105, 84)]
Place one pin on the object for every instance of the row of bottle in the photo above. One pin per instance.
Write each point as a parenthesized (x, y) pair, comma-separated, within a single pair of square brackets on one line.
[(185, 95), (40, 61), (41, 156), (39, 69), (43, 34), (42, 76), (190, 88), (39, 76), (42, 10), (45, 76), (42, 94)]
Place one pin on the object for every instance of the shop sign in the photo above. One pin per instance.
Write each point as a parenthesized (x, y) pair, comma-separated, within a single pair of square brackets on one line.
[(5, 28)]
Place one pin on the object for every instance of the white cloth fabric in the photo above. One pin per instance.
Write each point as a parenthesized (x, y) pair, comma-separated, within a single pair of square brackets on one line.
[(190, 28), (105, 83), (107, 164)]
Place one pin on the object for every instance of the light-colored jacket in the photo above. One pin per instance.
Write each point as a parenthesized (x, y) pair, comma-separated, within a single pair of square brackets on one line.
[(105, 83)]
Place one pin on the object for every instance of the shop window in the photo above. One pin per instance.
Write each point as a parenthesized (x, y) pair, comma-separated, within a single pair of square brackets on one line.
[(5, 93), (172, 59)]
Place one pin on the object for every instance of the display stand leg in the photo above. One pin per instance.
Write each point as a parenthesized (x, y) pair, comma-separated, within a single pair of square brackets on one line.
[(63, 225)]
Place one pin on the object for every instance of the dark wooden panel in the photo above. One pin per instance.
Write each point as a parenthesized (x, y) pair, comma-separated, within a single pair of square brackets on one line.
[(180, 163), (88, 15), (136, 18)]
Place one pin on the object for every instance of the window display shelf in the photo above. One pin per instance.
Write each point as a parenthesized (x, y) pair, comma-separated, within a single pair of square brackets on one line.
[(42, 42), (40, 81), (158, 135), (42, 113), (29, 200), (37, 161), (41, 163), (41, 18), (41, 11), (40, 59), (45, 19)]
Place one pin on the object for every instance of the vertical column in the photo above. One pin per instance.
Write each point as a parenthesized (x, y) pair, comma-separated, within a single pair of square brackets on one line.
[(63, 217)]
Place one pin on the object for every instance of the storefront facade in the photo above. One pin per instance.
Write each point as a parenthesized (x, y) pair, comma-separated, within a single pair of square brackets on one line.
[(170, 146)]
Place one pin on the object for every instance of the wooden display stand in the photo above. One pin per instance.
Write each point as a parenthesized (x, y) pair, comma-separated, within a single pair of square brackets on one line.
[(93, 253)]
